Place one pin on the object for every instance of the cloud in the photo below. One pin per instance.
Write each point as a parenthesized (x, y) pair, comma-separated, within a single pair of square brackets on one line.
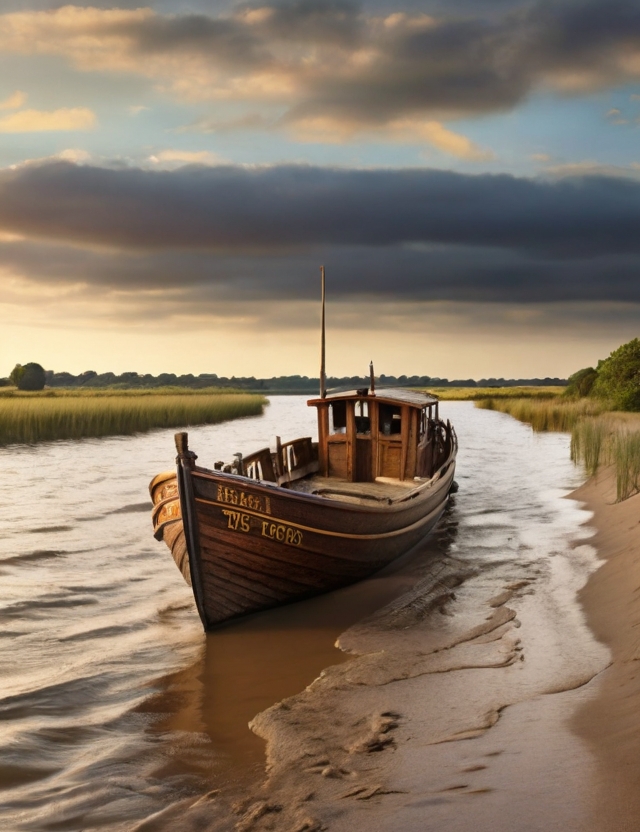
[(169, 284), (74, 154), (330, 61), (401, 131), (232, 209), (439, 136), (176, 158), (591, 167), (14, 101), (614, 116), (37, 121), (214, 124)]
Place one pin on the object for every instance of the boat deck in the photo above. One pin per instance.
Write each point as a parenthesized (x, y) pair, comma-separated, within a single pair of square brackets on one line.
[(383, 491)]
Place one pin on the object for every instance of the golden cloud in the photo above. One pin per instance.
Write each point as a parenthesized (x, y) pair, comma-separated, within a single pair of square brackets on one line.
[(330, 130), (39, 121), (439, 136)]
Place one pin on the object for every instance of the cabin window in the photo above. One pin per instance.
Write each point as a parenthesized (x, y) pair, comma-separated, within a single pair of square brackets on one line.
[(338, 417), (363, 422), (424, 419), (390, 419)]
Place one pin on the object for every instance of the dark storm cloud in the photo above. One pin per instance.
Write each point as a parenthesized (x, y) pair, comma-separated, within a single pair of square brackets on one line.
[(198, 282), (499, 239), (237, 209), (474, 64), (229, 44)]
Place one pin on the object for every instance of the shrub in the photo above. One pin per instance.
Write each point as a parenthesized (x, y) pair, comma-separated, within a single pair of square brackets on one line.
[(618, 378), (31, 377), (580, 383)]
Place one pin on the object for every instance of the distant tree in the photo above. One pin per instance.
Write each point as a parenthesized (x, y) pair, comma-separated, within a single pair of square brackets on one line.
[(87, 377), (32, 377), (16, 374), (618, 377)]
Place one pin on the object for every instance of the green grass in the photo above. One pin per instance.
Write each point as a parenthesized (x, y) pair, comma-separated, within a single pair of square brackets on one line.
[(458, 394), (57, 414)]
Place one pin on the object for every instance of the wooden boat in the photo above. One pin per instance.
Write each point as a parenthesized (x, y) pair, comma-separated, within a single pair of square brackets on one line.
[(302, 518)]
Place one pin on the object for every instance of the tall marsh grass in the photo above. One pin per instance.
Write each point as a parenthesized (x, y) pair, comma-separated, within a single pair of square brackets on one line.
[(612, 439), (599, 437), (626, 457), (42, 417), (458, 394), (590, 442), (543, 415)]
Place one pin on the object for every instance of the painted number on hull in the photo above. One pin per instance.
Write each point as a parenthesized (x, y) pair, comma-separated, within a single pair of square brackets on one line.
[(238, 521), (243, 500), (283, 534)]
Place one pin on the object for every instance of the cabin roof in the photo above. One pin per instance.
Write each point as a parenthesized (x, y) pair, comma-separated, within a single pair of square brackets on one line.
[(414, 398)]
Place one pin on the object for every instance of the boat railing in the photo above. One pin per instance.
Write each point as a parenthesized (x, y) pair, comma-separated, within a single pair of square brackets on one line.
[(297, 459), (259, 466), (434, 448), (291, 461)]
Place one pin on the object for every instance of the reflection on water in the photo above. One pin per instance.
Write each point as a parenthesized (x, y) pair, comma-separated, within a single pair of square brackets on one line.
[(113, 703)]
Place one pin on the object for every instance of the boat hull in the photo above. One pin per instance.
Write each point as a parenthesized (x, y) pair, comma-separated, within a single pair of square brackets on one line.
[(245, 545)]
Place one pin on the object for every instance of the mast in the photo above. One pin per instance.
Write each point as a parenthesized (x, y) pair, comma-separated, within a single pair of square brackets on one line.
[(323, 378)]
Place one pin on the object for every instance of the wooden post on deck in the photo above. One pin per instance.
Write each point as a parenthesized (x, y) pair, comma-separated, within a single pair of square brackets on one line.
[(323, 380)]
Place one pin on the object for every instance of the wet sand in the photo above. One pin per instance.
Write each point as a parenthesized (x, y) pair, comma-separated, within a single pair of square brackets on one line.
[(477, 699), (610, 722)]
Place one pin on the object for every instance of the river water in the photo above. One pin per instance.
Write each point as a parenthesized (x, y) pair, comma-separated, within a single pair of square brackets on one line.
[(113, 703)]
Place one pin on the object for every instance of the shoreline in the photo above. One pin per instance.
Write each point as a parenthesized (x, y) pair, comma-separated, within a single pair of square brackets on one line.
[(455, 710), (610, 722)]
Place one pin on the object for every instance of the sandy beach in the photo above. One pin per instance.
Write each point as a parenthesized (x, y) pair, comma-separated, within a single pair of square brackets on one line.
[(610, 722), (480, 699)]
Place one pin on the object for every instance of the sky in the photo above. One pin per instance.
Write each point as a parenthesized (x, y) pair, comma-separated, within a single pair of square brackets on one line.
[(172, 177)]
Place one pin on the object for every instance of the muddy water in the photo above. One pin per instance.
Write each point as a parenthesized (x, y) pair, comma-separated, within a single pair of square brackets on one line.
[(113, 704)]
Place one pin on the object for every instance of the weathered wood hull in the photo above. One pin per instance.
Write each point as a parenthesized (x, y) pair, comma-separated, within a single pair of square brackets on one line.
[(246, 545)]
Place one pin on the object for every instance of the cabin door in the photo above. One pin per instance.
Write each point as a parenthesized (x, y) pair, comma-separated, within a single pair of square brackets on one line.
[(362, 468), (363, 460)]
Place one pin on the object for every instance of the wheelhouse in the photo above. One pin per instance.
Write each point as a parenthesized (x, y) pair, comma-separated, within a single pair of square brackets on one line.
[(366, 435)]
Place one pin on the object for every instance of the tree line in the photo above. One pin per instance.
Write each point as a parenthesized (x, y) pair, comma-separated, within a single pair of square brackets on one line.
[(33, 376)]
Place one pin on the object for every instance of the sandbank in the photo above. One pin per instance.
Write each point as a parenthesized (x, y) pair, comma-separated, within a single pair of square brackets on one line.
[(610, 722)]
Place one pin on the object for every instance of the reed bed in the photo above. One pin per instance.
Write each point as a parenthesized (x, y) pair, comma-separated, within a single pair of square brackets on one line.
[(598, 436), (591, 442), (110, 392), (610, 439), (40, 417), (459, 394), (543, 415)]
